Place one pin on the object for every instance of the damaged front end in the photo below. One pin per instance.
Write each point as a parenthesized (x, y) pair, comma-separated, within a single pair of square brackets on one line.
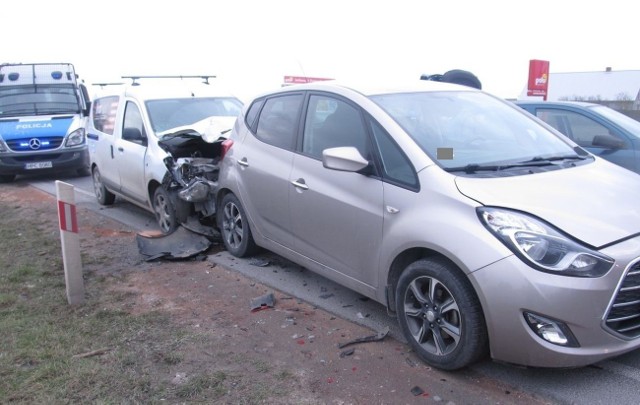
[(192, 170)]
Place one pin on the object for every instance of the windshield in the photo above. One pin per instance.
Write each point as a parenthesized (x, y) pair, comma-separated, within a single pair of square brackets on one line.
[(458, 129), (38, 99), (624, 121), (171, 113)]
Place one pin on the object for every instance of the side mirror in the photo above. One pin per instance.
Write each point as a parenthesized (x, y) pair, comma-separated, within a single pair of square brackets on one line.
[(344, 158), (134, 135), (607, 142)]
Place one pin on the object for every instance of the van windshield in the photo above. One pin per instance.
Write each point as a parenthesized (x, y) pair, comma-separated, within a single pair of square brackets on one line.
[(178, 112), (38, 99), (473, 129)]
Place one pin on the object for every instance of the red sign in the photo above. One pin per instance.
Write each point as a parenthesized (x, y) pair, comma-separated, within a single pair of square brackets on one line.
[(303, 79), (67, 216), (538, 78)]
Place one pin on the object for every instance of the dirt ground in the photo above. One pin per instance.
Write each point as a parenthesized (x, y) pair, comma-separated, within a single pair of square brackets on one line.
[(293, 340)]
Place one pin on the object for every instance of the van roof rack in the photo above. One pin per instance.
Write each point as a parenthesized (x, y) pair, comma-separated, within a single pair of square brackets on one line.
[(205, 78), (107, 84)]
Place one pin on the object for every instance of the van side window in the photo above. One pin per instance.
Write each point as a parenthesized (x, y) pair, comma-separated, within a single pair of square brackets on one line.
[(396, 167), (104, 114), (331, 123), (278, 121), (133, 127)]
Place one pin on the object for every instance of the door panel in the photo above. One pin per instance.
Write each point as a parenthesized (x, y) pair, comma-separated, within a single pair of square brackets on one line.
[(130, 155), (263, 182), (337, 220)]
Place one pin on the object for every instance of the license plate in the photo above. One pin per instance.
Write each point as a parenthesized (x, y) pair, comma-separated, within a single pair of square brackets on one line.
[(38, 165)]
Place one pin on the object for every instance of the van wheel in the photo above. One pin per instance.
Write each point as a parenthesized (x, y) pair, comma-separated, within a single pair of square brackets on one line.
[(234, 227), (7, 178), (104, 196), (440, 315), (165, 211)]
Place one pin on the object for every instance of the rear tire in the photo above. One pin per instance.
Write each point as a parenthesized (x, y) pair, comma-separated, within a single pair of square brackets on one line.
[(164, 210), (440, 314), (234, 228), (104, 196)]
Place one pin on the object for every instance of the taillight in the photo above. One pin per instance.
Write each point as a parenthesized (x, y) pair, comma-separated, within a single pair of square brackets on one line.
[(226, 145)]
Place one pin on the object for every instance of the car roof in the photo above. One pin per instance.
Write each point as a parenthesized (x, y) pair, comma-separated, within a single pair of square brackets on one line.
[(371, 88)]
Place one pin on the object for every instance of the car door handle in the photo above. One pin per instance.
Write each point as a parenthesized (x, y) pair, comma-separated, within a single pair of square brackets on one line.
[(243, 162), (300, 184)]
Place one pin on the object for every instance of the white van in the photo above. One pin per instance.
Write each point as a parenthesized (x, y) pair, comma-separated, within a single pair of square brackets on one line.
[(137, 131)]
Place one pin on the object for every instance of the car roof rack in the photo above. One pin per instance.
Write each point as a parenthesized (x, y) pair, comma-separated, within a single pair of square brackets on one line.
[(205, 78)]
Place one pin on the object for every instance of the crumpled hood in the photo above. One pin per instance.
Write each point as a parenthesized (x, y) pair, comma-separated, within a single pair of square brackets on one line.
[(597, 203), (210, 129)]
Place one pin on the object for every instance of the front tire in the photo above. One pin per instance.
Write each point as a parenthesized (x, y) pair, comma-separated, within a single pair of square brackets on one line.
[(440, 314), (104, 196), (234, 227), (165, 211), (7, 178)]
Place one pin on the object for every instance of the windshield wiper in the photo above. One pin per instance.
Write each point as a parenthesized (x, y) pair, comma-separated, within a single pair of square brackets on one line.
[(475, 167), (535, 162), (555, 158)]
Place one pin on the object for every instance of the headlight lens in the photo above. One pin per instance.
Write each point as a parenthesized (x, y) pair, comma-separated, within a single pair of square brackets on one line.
[(542, 246), (75, 138)]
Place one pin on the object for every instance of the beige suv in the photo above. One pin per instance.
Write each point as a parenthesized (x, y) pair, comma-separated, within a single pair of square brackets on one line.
[(483, 230)]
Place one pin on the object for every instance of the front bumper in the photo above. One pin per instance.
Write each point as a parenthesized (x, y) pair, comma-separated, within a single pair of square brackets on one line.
[(508, 288), (63, 159)]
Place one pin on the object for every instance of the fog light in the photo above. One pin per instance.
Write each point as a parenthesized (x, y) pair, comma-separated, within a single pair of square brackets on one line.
[(552, 331)]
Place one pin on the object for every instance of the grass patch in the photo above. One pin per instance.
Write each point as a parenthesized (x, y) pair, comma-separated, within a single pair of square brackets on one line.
[(102, 352)]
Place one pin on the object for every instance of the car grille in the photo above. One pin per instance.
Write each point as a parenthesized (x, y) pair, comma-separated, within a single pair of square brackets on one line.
[(46, 143), (624, 314)]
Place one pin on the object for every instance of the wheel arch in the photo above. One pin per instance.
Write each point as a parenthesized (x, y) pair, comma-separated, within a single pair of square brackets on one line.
[(400, 263)]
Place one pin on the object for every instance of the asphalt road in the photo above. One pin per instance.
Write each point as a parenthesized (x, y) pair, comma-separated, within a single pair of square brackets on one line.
[(612, 381)]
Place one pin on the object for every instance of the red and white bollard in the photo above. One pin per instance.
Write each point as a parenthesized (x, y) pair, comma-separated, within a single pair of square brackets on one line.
[(70, 241)]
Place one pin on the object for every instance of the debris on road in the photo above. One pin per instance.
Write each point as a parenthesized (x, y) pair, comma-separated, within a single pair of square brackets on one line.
[(178, 245), (373, 338), (263, 302)]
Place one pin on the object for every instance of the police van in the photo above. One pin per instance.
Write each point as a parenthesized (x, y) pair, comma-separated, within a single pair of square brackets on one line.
[(43, 112)]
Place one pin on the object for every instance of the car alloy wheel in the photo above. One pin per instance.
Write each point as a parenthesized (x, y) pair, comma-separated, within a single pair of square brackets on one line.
[(440, 315), (164, 210), (236, 234), (104, 196)]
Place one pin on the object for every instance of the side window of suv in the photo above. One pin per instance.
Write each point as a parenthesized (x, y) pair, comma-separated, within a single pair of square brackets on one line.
[(331, 123), (104, 114), (133, 127), (396, 167), (581, 129), (278, 120)]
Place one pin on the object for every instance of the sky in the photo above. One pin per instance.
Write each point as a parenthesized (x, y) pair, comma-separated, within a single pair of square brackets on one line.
[(250, 45)]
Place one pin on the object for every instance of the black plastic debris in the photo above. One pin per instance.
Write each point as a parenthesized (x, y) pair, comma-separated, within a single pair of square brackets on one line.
[(347, 352), (195, 226), (263, 302), (179, 245), (373, 338), (417, 391)]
